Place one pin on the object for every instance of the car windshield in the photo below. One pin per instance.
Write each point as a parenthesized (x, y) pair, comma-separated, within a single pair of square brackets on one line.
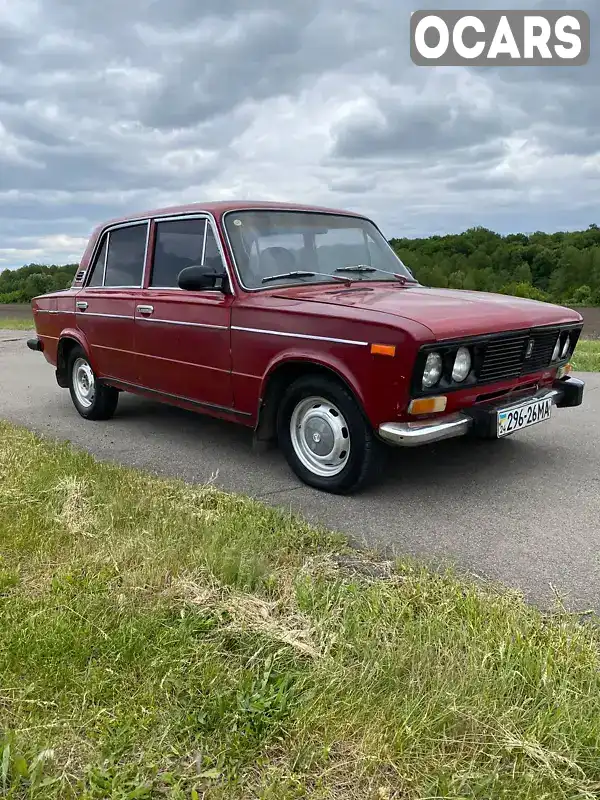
[(300, 247)]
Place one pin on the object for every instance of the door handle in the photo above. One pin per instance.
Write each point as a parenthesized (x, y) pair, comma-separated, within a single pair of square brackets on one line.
[(146, 309), (81, 305)]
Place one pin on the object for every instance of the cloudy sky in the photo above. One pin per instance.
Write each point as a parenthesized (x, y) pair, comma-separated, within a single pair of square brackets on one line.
[(120, 105)]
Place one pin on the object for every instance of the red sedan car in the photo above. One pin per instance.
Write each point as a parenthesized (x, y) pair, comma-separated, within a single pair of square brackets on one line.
[(304, 325)]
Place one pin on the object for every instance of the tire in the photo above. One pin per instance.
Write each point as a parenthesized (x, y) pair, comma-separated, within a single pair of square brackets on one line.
[(325, 437), (97, 401)]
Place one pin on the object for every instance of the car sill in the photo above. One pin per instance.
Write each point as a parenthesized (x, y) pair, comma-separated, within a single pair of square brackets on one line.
[(209, 406)]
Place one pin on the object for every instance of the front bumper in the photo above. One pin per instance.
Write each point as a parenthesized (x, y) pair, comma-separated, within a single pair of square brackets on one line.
[(480, 420)]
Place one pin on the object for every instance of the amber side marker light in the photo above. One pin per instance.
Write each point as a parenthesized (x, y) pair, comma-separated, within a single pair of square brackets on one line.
[(428, 405), (383, 349), (564, 371)]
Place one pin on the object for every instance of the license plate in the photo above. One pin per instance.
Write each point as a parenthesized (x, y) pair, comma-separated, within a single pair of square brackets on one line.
[(522, 416)]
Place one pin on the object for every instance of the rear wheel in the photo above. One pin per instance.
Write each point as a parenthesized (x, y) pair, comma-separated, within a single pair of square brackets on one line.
[(92, 399), (325, 437)]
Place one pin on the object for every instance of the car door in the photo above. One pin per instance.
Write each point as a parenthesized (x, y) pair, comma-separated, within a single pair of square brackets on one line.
[(105, 307), (183, 337)]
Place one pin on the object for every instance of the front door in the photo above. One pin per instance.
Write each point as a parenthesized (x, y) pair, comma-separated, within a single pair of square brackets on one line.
[(183, 338), (105, 307)]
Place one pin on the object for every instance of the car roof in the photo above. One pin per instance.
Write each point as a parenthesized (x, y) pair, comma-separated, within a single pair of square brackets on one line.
[(220, 207)]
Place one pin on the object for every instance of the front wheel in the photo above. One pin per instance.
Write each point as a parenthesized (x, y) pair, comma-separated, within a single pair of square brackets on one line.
[(93, 400), (325, 438)]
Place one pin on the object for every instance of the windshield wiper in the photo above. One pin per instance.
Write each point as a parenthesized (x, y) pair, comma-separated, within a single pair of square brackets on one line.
[(303, 274), (367, 268), (296, 274)]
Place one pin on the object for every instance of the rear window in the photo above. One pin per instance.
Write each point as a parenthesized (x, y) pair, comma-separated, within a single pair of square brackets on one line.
[(98, 266), (126, 254)]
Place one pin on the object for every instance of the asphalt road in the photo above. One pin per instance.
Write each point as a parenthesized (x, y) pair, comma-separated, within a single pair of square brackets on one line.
[(525, 510)]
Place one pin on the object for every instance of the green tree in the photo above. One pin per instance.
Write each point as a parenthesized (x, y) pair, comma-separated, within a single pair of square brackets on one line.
[(549, 266)]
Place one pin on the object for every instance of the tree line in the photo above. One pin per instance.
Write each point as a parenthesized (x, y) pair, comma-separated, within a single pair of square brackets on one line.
[(554, 267), (22, 285)]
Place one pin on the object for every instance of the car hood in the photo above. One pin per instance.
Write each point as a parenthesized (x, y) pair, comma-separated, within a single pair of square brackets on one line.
[(447, 313)]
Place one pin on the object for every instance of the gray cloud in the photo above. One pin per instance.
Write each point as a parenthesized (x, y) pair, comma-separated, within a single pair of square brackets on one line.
[(114, 106)]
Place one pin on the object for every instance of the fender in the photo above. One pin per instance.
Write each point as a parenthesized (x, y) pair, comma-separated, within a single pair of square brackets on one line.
[(308, 357), (78, 336)]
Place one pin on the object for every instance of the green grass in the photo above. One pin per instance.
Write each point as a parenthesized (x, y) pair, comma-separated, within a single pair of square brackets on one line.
[(159, 640), (587, 356), (8, 323)]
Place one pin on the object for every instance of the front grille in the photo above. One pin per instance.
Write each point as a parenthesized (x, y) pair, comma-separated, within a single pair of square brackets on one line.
[(541, 357), (503, 359), (511, 356)]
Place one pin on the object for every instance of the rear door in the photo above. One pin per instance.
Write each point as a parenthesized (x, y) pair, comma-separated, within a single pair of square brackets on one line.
[(183, 338), (105, 307)]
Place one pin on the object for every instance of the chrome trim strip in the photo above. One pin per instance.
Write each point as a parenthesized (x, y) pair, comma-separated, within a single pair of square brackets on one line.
[(299, 336), (176, 289), (199, 403), (48, 311), (110, 288), (187, 324), (204, 243), (106, 259), (96, 314)]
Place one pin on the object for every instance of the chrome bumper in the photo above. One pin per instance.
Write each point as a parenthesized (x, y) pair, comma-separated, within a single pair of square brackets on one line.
[(413, 434), (481, 420)]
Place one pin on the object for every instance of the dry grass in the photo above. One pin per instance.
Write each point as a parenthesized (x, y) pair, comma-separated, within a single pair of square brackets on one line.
[(165, 641)]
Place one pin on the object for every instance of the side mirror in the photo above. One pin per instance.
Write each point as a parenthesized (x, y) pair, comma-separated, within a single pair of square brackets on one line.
[(194, 279)]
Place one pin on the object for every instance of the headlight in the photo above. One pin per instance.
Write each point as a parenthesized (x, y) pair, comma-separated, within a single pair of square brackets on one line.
[(566, 348), (556, 353), (433, 370), (462, 365)]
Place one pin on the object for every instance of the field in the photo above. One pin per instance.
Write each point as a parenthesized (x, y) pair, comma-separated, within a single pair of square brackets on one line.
[(15, 311), (159, 640), (591, 318)]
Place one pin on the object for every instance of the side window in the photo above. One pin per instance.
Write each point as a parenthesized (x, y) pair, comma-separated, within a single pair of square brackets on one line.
[(212, 255), (126, 250), (179, 244), (98, 266)]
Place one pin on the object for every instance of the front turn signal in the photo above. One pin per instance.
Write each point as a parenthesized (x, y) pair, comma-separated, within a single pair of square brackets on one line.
[(562, 371), (428, 405), (383, 349)]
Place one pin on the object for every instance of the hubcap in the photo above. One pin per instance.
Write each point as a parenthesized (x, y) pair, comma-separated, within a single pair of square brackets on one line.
[(320, 436), (84, 382)]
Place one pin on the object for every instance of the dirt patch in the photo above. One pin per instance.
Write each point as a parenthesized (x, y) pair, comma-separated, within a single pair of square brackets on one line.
[(15, 311), (591, 322)]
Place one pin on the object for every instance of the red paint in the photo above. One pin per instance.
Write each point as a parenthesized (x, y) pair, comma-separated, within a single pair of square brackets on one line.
[(214, 367)]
